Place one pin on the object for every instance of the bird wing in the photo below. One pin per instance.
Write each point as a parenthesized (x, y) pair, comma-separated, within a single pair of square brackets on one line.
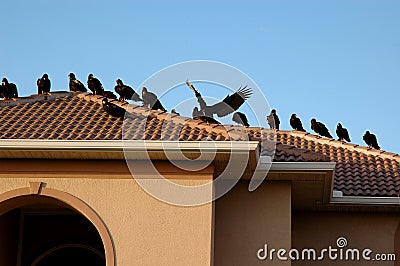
[(13, 91), (231, 102), (292, 123), (374, 142), (366, 139), (128, 92), (149, 98), (78, 86), (346, 135), (118, 89)]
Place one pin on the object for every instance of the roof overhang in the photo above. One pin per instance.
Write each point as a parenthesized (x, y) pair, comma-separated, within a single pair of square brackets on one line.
[(115, 149), (338, 198), (311, 181)]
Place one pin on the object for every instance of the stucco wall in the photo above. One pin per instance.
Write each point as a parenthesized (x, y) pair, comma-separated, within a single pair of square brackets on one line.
[(145, 231), (246, 221), (375, 231)]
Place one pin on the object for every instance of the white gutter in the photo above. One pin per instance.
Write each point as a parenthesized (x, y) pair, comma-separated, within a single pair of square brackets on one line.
[(265, 164), (127, 145), (338, 198), (366, 200)]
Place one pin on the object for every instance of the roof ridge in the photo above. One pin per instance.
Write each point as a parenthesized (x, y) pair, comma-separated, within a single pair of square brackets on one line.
[(345, 145), (36, 98)]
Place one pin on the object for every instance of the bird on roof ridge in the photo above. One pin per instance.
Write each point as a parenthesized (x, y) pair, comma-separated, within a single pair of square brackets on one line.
[(273, 120), (95, 85), (296, 124), (371, 140), (126, 92), (75, 85), (342, 133), (8, 90), (151, 101), (320, 128), (43, 84)]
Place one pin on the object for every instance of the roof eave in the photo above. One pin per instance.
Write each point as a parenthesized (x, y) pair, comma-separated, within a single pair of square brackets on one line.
[(116, 149), (363, 200)]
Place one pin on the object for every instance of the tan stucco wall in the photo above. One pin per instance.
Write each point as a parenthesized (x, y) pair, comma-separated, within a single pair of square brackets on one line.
[(375, 231), (245, 221), (145, 231)]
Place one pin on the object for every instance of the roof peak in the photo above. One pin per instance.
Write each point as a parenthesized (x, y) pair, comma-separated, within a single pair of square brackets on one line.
[(36, 98)]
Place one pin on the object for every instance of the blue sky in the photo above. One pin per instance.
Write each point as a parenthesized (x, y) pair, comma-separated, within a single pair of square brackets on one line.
[(337, 61)]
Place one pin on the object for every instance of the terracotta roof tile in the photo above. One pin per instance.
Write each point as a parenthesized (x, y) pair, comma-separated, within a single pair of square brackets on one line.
[(359, 170)]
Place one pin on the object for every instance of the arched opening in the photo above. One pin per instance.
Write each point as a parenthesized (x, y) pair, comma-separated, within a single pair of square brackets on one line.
[(37, 230)]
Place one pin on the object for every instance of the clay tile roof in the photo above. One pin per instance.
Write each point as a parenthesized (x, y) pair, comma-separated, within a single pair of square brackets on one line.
[(79, 116), (359, 171)]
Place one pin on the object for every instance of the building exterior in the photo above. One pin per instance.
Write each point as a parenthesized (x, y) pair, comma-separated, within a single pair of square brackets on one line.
[(71, 191)]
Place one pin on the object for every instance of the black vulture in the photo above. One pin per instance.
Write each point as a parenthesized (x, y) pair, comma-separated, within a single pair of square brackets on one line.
[(8, 90), (207, 119), (295, 123), (75, 85), (109, 94), (227, 106), (342, 133), (126, 92), (371, 140), (151, 101), (173, 111), (43, 84), (95, 85), (196, 112), (273, 120), (113, 109), (240, 118), (320, 128), (199, 115)]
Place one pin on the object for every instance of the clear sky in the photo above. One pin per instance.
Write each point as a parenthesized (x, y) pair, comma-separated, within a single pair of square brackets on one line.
[(337, 61)]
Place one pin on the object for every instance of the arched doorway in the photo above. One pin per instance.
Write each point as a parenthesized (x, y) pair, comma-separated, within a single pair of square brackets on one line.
[(38, 230)]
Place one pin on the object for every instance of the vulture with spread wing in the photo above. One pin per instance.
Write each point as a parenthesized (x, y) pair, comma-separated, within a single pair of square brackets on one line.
[(230, 104)]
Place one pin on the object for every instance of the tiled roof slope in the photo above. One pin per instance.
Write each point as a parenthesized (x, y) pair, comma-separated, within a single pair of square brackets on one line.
[(79, 116), (359, 171)]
